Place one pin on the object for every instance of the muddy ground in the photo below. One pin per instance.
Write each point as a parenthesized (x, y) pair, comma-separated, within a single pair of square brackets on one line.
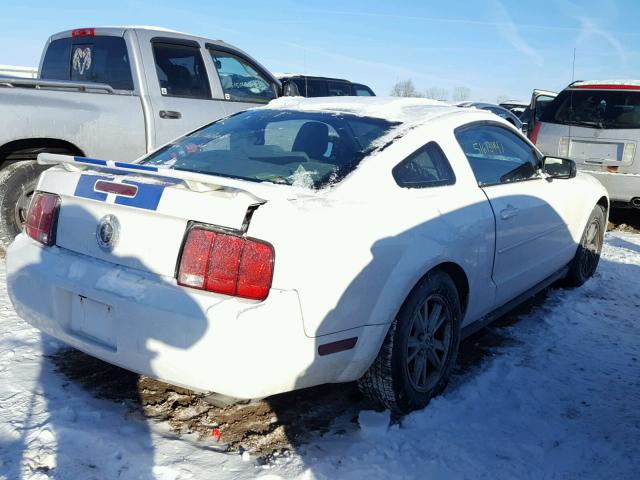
[(272, 426), (268, 427)]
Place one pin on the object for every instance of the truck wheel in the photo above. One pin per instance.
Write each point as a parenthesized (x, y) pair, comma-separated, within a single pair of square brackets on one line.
[(420, 349), (17, 184), (586, 259)]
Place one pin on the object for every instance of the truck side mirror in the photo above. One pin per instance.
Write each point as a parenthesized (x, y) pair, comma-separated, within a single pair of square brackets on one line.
[(290, 89), (557, 167)]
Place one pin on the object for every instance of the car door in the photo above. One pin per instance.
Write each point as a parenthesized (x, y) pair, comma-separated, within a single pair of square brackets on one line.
[(532, 239), (245, 84), (464, 223), (539, 101)]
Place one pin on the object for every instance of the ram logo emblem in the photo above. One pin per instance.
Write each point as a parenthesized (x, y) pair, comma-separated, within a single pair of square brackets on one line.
[(82, 60)]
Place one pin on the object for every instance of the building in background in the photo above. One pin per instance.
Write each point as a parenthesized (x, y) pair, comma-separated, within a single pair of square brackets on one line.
[(15, 71)]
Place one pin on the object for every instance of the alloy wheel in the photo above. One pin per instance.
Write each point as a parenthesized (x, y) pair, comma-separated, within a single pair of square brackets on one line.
[(592, 245), (429, 343)]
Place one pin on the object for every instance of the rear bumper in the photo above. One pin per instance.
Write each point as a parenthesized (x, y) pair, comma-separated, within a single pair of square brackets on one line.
[(622, 187), (148, 324)]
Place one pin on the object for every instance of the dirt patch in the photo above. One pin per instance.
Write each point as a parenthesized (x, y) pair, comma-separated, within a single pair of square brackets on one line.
[(267, 427), (624, 220)]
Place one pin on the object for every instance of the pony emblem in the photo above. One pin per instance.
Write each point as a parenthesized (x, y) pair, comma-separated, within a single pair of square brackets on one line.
[(108, 232), (82, 60)]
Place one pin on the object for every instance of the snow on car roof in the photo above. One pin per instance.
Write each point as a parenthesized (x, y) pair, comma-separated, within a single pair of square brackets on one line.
[(598, 83), (408, 111)]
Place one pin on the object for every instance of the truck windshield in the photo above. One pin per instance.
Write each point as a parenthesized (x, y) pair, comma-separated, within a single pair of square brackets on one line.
[(306, 149), (608, 109)]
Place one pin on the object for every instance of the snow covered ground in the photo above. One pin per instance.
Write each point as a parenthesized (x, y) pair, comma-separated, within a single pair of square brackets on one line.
[(560, 400)]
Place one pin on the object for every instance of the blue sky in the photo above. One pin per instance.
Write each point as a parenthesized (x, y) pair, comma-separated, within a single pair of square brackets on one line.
[(493, 47)]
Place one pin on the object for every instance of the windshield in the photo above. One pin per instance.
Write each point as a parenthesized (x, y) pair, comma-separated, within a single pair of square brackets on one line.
[(307, 149), (595, 108)]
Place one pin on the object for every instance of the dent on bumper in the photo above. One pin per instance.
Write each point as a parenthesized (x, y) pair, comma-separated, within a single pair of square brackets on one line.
[(186, 337)]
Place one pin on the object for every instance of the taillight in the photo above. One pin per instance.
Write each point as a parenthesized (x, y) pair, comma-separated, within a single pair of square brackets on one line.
[(533, 136), (42, 217), (224, 263)]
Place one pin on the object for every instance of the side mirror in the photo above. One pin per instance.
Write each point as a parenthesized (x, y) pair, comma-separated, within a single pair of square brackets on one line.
[(290, 89), (557, 167), (525, 128)]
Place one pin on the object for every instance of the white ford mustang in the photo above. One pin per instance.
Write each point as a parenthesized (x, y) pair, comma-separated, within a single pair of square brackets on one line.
[(305, 242)]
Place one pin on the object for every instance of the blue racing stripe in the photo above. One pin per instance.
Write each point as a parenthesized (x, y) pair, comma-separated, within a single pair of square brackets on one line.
[(136, 166), (91, 161), (148, 196), (84, 188)]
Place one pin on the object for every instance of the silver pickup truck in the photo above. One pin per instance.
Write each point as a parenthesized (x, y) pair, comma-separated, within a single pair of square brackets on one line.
[(116, 93)]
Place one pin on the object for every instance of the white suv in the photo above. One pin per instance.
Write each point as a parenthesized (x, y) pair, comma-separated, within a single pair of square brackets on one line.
[(597, 124)]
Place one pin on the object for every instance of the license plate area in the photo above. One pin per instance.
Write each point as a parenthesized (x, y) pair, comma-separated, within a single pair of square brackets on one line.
[(93, 320), (590, 151)]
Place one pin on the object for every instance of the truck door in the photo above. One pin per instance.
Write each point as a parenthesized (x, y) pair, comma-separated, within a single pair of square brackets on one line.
[(179, 96), (245, 83), (532, 239)]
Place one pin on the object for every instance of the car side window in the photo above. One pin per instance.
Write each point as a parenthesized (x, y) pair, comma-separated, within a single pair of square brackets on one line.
[(181, 71), (339, 89), (312, 88), (497, 155), (427, 167), (240, 80)]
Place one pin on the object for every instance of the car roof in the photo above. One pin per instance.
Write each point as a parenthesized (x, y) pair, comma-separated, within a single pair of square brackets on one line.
[(408, 111), (606, 84), (311, 77), (481, 105)]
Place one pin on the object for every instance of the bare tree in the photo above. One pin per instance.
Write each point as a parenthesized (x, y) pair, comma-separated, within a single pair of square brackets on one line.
[(460, 94), (436, 93), (404, 88)]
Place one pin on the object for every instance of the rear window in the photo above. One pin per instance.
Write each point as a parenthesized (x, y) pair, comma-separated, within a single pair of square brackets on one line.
[(607, 109), (307, 149), (100, 59)]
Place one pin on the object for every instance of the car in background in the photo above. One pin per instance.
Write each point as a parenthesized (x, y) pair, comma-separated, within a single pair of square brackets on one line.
[(497, 109), (310, 86), (540, 99), (517, 107), (597, 124), (305, 242)]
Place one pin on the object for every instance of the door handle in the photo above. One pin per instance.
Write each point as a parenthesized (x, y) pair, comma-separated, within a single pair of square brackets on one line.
[(507, 213), (170, 114)]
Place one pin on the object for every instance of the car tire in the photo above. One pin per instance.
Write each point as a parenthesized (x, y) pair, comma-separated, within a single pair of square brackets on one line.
[(17, 183), (585, 261), (404, 376)]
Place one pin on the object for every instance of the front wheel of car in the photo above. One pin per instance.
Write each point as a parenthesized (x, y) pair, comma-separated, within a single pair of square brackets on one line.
[(585, 261), (420, 348)]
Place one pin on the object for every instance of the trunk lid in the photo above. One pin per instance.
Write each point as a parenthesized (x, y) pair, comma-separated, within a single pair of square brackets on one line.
[(144, 231)]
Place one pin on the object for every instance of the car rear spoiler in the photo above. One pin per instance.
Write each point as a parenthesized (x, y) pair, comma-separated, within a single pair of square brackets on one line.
[(198, 182)]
